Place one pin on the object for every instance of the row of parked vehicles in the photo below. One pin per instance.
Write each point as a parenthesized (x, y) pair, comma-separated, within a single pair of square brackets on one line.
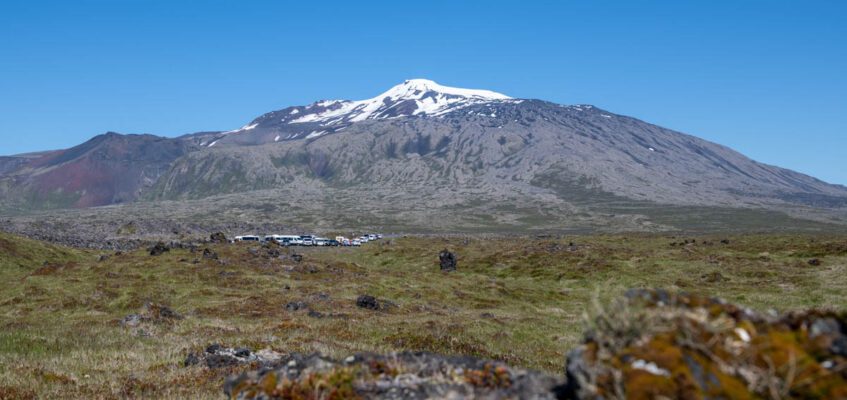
[(309, 240)]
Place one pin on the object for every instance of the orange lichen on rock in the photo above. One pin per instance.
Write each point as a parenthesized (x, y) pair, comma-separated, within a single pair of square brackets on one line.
[(695, 347)]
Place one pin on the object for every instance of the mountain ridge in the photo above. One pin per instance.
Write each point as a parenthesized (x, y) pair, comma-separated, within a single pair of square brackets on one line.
[(420, 135)]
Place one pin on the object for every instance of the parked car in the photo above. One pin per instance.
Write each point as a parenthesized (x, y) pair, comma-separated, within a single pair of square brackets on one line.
[(321, 241), (333, 242), (356, 242), (371, 237), (307, 240)]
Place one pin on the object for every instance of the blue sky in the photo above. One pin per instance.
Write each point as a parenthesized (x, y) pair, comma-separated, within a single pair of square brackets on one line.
[(766, 78)]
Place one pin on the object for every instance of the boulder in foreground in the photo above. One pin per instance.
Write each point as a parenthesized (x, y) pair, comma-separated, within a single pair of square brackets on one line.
[(658, 344)]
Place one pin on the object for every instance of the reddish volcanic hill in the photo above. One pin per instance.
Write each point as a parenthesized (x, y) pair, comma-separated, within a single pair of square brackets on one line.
[(108, 169)]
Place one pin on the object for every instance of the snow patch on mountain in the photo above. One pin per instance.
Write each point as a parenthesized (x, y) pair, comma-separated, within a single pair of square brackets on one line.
[(244, 128), (412, 97)]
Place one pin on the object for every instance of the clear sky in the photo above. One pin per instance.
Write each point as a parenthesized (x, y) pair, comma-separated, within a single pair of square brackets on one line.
[(765, 77)]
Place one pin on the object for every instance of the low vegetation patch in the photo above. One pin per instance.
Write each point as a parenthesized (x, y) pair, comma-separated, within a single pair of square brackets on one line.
[(515, 301)]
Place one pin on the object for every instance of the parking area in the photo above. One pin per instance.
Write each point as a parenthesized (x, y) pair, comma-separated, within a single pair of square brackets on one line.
[(310, 240)]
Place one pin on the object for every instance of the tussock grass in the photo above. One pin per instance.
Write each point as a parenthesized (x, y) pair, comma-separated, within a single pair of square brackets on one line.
[(520, 300)]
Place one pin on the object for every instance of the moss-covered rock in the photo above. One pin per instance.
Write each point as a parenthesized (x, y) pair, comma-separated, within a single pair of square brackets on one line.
[(659, 344)]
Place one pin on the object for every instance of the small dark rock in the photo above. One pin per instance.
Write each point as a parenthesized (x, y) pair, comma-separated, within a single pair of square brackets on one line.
[(315, 314), (447, 260), (216, 361), (296, 306), (159, 249), (815, 262), (209, 254), (191, 359), (102, 257), (217, 237), (214, 348), (297, 257), (242, 352), (724, 241), (367, 301)]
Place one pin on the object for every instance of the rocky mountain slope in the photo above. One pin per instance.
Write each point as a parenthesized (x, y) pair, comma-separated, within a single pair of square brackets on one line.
[(108, 169), (423, 145)]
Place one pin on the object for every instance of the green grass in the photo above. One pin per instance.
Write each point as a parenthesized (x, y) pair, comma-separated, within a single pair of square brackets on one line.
[(60, 334)]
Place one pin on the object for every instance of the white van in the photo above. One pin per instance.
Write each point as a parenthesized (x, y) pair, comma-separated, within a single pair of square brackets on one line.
[(248, 238)]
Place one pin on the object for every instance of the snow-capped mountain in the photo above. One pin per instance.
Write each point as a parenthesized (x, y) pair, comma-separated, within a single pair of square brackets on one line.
[(413, 97), (501, 160)]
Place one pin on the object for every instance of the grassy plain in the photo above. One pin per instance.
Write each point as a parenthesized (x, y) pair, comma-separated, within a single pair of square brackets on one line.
[(518, 299)]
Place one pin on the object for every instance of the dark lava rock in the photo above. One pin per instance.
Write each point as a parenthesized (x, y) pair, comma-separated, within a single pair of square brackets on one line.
[(215, 361), (191, 359), (815, 262), (213, 348), (447, 260), (315, 314), (367, 301), (242, 352), (209, 254), (273, 253), (218, 237), (159, 249), (296, 306), (372, 376), (297, 257), (102, 257), (217, 356), (151, 313)]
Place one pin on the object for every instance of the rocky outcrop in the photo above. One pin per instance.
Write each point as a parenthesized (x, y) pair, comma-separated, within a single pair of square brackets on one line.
[(651, 344), (658, 344), (395, 376), (217, 356)]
